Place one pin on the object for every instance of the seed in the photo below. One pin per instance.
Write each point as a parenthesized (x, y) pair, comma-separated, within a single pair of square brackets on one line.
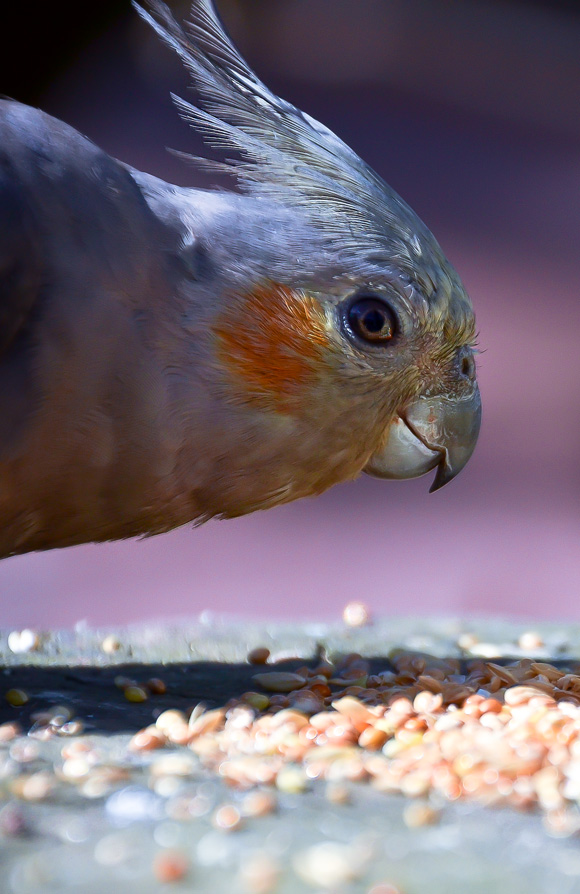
[(561, 822), (110, 644), (548, 670), (356, 614), (257, 700), (135, 694), (490, 705), (278, 702), (147, 739), (259, 803), (178, 763), (23, 641), (156, 686), (518, 695), (259, 655), (466, 641), (372, 738), (259, 873), (420, 814), (168, 719), (358, 714), (505, 675), (9, 731), (170, 866), (38, 786), (306, 701), (16, 697), (72, 728), (75, 768), (207, 722), (280, 681), (427, 702), (292, 780), (101, 781), (530, 641), (430, 683), (290, 716), (227, 818), (415, 783), (327, 865), (323, 720)]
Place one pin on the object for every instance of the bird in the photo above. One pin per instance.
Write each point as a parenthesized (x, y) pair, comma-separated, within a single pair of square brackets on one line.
[(170, 355)]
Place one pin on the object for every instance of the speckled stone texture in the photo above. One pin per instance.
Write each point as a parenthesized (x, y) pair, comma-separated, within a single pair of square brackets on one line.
[(133, 834)]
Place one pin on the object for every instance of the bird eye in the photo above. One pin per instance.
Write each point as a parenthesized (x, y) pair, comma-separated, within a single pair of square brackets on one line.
[(372, 319)]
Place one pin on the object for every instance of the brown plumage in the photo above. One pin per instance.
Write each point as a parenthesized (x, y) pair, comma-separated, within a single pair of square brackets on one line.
[(169, 355)]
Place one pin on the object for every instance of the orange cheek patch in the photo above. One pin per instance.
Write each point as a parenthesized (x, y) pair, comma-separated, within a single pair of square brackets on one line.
[(272, 339)]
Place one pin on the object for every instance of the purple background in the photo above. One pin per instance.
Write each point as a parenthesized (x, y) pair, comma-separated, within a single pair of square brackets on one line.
[(470, 111)]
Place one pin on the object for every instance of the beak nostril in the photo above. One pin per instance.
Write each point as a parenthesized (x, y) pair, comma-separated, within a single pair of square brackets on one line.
[(468, 367)]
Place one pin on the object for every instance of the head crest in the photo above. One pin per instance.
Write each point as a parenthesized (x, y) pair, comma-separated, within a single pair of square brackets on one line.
[(287, 156)]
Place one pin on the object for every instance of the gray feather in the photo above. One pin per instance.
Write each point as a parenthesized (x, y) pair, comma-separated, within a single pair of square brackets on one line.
[(287, 156)]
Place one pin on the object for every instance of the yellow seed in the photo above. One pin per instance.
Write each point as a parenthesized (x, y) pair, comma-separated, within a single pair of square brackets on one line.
[(257, 700), (280, 681), (16, 697), (292, 780), (135, 694)]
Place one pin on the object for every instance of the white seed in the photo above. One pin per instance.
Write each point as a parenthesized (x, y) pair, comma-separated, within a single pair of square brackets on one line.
[(23, 640), (356, 614), (328, 865)]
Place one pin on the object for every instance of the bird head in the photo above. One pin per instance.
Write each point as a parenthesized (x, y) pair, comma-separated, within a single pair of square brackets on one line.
[(338, 318)]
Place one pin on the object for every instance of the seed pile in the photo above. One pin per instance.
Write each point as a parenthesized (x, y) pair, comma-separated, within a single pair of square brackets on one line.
[(439, 729), (436, 730), (497, 734)]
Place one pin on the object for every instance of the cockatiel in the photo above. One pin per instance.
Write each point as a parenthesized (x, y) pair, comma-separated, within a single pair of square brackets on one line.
[(170, 355)]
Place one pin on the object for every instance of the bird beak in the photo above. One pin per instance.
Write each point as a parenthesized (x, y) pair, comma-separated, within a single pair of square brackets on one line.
[(432, 432)]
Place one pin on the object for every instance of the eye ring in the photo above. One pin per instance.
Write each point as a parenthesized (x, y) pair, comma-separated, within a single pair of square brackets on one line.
[(371, 319)]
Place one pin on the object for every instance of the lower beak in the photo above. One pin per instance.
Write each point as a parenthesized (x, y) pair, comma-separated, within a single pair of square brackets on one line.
[(431, 432)]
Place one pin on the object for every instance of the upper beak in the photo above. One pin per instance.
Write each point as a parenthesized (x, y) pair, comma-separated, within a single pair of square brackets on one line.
[(433, 431)]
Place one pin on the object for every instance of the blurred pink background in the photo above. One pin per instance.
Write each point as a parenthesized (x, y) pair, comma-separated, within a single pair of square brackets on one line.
[(471, 112)]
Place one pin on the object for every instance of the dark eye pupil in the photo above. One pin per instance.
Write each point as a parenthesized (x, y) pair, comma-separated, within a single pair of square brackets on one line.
[(372, 320)]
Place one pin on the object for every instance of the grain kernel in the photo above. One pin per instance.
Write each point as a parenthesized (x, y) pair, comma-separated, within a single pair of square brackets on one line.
[(135, 694), (280, 681), (259, 655), (356, 614), (170, 866), (16, 697), (372, 738), (227, 818)]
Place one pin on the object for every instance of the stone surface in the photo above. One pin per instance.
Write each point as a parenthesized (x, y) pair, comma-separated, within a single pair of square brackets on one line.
[(65, 827)]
